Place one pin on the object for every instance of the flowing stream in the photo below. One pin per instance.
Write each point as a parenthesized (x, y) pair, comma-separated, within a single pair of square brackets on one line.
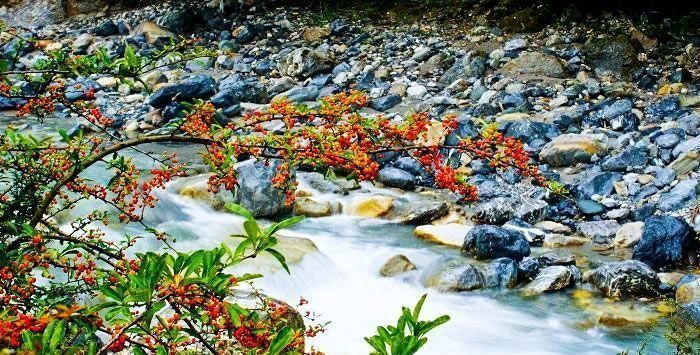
[(343, 285)]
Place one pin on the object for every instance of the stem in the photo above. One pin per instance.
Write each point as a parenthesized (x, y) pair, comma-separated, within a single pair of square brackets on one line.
[(194, 330)]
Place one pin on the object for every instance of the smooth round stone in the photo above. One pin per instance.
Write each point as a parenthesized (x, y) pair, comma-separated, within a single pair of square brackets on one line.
[(590, 207)]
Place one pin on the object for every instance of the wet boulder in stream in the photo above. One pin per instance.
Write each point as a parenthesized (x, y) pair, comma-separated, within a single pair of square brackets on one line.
[(625, 278), (662, 241), (452, 274), (490, 242), (255, 191), (195, 87)]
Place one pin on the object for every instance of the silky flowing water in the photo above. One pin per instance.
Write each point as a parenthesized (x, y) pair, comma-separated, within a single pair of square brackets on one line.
[(343, 285)]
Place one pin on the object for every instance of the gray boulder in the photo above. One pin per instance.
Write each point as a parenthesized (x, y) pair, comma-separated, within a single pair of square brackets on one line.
[(629, 278), (255, 191), (662, 242), (491, 242)]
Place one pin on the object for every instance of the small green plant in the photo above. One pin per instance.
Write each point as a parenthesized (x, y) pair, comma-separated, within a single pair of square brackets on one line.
[(392, 340)]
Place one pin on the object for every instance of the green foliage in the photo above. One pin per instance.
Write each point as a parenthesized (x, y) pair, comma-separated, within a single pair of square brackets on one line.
[(408, 336)]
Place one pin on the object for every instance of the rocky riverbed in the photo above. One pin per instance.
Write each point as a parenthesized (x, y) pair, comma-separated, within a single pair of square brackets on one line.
[(609, 106)]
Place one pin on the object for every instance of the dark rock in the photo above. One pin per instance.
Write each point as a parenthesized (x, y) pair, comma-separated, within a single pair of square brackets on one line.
[(467, 67), (528, 268), (614, 55), (195, 87), (106, 28), (590, 207), (662, 242), (395, 177), (597, 183), (385, 102), (490, 242), (629, 278), (255, 191), (240, 91), (501, 273), (629, 158), (423, 212), (528, 131), (453, 274), (679, 196)]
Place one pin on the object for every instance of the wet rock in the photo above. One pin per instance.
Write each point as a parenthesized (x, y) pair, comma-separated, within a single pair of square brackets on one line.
[(373, 207), (501, 273), (569, 149), (533, 235), (559, 241), (385, 102), (614, 55), (589, 207), (528, 268), (154, 34), (501, 209), (679, 196), (490, 242), (466, 67), (81, 43), (627, 159), (600, 232), (629, 235), (453, 274), (305, 62), (106, 28), (299, 94), (662, 242), (305, 206), (255, 191), (395, 177), (536, 64), (448, 234), (629, 278), (530, 131), (195, 87), (597, 184), (423, 212), (553, 227), (397, 264), (549, 279), (234, 91)]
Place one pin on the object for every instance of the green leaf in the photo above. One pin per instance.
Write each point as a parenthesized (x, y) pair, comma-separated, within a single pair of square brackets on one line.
[(239, 210), (419, 306), (279, 258), (284, 224), (252, 229), (111, 293), (57, 335), (284, 337)]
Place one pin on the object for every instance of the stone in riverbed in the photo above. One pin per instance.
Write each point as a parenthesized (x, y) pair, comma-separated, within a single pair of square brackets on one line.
[(559, 240), (501, 209), (385, 102), (397, 264), (614, 55), (534, 63), (679, 196), (528, 268), (662, 241), (630, 278), (552, 278), (602, 184), (569, 149), (422, 212), (154, 34), (685, 163), (305, 62), (629, 235), (305, 206), (600, 232), (501, 273), (395, 177), (490, 242), (373, 207), (553, 227), (589, 207), (195, 87), (448, 234), (453, 274), (255, 191), (629, 158)]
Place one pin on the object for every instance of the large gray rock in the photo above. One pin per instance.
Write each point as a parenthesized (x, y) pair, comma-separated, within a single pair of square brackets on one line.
[(255, 191), (552, 278), (662, 241), (395, 177), (597, 184), (627, 159), (502, 209), (535, 63), (396, 265), (491, 242), (305, 62), (600, 232), (501, 273), (629, 278), (195, 87), (453, 274), (614, 55), (569, 149), (679, 196), (466, 67)]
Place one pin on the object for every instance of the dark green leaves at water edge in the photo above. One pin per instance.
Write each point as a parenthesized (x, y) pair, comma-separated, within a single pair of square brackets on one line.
[(392, 340)]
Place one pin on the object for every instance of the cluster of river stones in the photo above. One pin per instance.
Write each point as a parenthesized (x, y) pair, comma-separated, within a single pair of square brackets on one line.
[(607, 109)]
